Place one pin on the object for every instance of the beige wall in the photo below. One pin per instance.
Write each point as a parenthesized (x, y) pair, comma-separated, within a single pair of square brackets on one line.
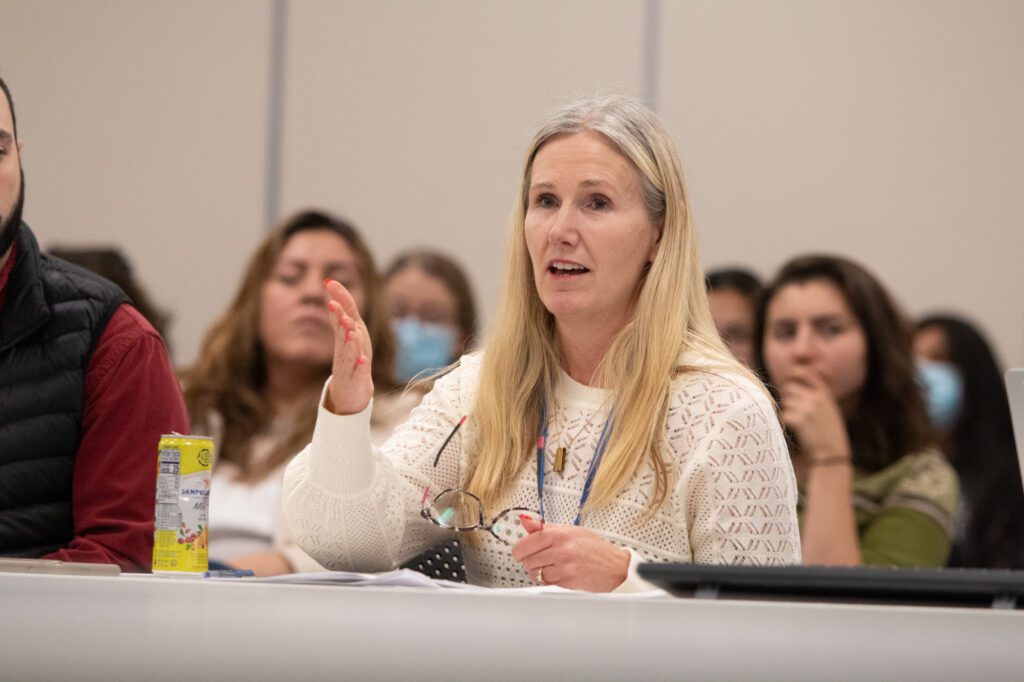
[(888, 131), (891, 132), (144, 125), (412, 118)]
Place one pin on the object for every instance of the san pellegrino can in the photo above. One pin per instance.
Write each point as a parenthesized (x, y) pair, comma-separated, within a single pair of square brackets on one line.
[(182, 505)]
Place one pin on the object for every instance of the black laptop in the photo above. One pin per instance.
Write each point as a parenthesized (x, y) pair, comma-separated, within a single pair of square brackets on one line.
[(856, 584)]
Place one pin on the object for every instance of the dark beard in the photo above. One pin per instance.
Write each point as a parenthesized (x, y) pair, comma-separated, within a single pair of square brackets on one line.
[(11, 223)]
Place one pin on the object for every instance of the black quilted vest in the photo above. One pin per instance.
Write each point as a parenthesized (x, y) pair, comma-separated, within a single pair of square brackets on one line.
[(53, 316)]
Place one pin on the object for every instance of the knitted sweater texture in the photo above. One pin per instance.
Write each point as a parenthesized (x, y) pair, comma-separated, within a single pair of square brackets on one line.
[(732, 496)]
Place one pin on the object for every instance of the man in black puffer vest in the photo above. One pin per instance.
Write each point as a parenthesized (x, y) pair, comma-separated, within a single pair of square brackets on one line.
[(86, 390)]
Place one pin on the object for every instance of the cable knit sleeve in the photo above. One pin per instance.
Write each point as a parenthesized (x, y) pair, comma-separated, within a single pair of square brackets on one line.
[(737, 486), (355, 507)]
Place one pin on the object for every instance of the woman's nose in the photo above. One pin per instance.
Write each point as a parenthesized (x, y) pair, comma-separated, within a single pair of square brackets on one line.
[(312, 288), (564, 229), (804, 346)]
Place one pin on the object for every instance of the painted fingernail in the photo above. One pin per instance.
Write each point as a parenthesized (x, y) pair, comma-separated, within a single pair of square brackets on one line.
[(326, 280), (349, 334), (361, 360), (332, 306), (525, 517)]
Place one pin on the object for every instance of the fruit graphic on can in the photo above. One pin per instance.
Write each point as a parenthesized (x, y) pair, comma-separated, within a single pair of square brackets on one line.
[(182, 503)]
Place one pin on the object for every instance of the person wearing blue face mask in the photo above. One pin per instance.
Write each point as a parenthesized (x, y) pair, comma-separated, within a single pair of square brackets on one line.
[(433, 316), (964, 390), (425, 347), (943, 391)]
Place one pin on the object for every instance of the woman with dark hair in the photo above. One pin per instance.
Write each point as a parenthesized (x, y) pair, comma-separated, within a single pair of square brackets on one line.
[(837, 354), (432, 312), (972, 417), (732, 297), (260, 372)]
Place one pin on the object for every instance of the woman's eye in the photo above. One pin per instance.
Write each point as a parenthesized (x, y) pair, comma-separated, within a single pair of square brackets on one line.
[(288, 278), (546, 201), (736, 335), (783, 332), (600, 203), (832, 330)]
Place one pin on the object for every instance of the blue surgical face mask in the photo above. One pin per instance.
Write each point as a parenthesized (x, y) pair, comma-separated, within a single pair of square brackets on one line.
[(421, 346), (943, 392)]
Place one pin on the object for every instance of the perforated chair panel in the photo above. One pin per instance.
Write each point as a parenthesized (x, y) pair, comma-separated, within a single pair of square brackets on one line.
[(442, 562)]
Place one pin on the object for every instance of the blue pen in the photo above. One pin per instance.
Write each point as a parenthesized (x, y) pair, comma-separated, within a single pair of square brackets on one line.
[(230, 573)]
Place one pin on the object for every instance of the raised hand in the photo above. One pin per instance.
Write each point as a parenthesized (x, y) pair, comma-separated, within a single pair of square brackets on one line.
[(351, 386), (570, 556)]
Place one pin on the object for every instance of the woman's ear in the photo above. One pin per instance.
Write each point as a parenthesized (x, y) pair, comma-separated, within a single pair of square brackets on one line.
[(657, 242)]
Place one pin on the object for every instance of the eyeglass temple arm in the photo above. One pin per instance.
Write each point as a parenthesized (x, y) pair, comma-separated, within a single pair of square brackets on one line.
[(448, 440)]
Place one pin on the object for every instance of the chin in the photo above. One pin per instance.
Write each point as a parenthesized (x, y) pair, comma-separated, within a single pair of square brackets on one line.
[(310, 355), (562, 306)]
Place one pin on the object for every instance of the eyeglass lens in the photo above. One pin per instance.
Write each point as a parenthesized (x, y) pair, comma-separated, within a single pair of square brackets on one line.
[(508, 527), (455, 509), (460, 510)]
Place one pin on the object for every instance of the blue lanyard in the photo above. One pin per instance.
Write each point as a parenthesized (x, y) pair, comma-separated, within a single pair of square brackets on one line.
[(595, 462)]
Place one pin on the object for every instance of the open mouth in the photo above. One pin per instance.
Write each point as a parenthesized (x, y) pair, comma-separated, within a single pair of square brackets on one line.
[(565, 269)]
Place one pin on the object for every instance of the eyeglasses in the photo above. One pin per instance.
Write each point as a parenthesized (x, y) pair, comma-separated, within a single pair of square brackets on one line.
[(461, 510)]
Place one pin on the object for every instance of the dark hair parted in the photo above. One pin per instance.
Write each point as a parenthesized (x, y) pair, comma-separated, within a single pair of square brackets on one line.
[(112, 264), (738, 279), (451, 275), (230, 375), (981, 448), (890, 419)]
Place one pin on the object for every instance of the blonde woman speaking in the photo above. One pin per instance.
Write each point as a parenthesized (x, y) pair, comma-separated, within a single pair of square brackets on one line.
[(603, 424)]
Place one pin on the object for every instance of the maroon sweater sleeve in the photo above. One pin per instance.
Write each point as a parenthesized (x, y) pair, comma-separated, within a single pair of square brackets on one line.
[(131, 398)]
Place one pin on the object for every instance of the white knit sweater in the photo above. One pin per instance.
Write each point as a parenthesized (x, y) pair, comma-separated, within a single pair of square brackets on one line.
[(733, 496)]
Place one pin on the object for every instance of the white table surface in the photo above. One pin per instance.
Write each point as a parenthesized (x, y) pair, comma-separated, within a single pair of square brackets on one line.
[(145, 627)]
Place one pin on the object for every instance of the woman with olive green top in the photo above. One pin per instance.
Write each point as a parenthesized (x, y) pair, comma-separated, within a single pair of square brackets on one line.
[(836, 352), (904, 513)]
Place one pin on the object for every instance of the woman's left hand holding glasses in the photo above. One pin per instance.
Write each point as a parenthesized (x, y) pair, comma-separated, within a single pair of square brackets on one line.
[(570, 557)]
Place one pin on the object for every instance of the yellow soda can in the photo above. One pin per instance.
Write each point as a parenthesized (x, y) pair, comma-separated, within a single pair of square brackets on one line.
[(182, 505)]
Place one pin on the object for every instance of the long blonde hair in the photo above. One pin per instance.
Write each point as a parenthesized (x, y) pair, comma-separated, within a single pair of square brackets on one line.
[(521, 363)]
